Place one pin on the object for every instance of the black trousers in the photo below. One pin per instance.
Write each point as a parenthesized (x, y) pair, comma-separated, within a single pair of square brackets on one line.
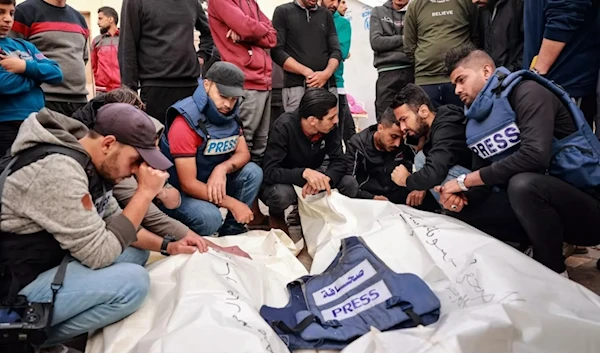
[(279, 197), (8, 134), (276, 104), (388, 84), (550, 212), (65, 108), (347, 127), (159, 99)]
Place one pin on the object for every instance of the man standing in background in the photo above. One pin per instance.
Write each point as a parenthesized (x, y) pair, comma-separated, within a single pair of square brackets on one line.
[(394, 68), (431, 27), (156, 51), (242, 34), (344, 32), (61, 34), (501, 31), (561, 43), (104, 50), (307, 49)]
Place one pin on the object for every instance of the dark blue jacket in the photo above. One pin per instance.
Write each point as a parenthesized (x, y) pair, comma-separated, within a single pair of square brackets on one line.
[(576, 23)]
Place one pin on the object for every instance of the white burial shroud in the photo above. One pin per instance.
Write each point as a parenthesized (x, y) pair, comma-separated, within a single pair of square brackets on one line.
[(494, 299)]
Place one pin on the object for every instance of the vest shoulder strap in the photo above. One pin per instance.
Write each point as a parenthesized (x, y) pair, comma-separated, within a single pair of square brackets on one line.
[(188, 108), (511, 81)]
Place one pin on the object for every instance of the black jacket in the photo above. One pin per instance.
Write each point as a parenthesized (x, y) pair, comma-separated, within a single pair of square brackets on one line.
[(373, 168), (501, 26), (289, 151), (445, 147)]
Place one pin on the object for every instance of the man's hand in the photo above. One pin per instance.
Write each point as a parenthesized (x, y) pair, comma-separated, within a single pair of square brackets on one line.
[(380, 198), (415, 198), (150, 180), (308, 73), (399, 175), (233, 36), (317, 180), (217, 185), (454, 202), (188, 245), (241, 212), (170, 197), (308, 190), (13, 64), (317, 79)]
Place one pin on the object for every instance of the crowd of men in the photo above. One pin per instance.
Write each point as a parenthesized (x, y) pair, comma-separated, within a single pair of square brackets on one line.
[(260, 108)]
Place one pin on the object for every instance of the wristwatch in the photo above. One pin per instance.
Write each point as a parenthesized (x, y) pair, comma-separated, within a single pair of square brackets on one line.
[(163, 248), (461, 182)]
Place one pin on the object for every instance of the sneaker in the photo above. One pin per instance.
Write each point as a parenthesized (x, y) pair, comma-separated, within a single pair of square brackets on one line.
[(568, 250), (293, 219), (529, 251)]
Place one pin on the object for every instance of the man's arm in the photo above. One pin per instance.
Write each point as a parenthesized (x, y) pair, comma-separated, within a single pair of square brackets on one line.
[(353, 164), (533, 106), (440, 159), (411, 33), (563, 19), (345, 37), (42, 69), (239, 159), (248, 28), (207, 43), (129, 38), (275, 154), (67, 211), (379, 41), (155, 220), (333, 44), (333, 148), (94, 55)]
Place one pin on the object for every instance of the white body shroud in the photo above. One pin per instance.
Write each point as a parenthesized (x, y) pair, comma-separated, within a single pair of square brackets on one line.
[(494, 299)]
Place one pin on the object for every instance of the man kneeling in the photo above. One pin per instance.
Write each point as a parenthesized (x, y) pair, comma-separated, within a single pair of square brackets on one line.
[(56, 204), (212, 161), (295, 155), (372, 156)]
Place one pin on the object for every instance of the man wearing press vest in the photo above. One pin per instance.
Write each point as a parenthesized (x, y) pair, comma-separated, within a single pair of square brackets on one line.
[(540, 151), (212, 167)]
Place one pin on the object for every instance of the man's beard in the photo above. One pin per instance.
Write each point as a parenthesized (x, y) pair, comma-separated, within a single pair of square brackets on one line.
[(104, 30)]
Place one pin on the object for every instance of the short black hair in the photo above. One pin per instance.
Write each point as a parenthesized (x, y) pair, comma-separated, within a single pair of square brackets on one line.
[(8, 2), (455, 57), (388, 118), (414, 96), (110, 12), (316, 102)]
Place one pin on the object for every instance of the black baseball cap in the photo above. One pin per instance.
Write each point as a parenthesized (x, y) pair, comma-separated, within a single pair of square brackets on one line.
[(132, 126), (228, 78)]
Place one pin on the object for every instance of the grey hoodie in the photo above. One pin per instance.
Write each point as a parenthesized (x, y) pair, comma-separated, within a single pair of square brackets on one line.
[(52, 194), (387, 28)]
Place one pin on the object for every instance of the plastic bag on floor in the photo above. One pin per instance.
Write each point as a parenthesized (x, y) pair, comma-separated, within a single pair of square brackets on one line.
[(209, 302), (493, 298)]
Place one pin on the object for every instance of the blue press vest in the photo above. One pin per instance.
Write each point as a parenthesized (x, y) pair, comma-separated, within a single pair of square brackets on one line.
[(355, 292), (493, 133), (219, 141)]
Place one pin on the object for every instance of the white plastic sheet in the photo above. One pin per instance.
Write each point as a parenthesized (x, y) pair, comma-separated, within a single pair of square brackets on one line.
[(209, 302), (494, 299)]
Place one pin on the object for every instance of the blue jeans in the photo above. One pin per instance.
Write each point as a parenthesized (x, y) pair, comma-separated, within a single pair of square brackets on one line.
[(204, 217), (453, 173), (92, 299)]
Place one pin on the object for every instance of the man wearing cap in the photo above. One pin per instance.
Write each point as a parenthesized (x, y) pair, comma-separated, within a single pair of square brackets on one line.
[(60, 203), (212, 165)]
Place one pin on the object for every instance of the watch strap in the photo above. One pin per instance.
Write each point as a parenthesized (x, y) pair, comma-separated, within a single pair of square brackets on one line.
[(165, 243)]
